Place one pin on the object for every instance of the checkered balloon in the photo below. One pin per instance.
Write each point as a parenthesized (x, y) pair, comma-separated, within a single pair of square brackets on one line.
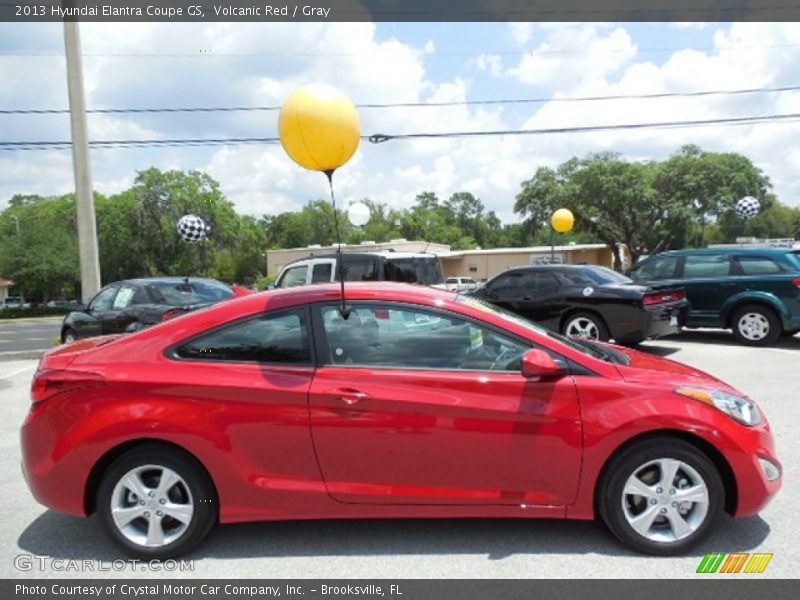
[(748, 207), (192, 228)]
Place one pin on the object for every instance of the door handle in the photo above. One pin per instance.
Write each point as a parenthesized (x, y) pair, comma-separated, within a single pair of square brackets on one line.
[(350, 396)]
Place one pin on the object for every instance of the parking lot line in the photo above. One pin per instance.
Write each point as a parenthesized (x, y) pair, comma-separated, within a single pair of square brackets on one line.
[(17, 372)]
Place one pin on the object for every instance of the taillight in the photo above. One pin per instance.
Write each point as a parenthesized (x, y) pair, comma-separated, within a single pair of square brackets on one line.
[(171, 314), (796, 282), (48, 383), (661, 298)]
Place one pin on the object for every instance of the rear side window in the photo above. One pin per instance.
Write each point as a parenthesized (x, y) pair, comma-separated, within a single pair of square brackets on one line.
[(757, 265), (321, 273), (361, 270), (706, 265), (451, 280), (277, 338), (659, 267), (294, 276)]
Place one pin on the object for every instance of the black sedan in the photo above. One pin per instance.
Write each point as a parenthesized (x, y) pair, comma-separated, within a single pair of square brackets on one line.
[(589, 302), (133, 304)]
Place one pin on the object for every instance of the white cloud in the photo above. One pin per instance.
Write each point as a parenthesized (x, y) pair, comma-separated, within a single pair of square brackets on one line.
[(521, 33), (253, 64)]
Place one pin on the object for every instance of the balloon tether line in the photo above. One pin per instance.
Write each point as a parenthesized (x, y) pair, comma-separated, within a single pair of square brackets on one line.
[(343, 309)]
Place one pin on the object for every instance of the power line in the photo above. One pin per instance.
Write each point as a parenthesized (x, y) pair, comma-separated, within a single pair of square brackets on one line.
[(502, 101), (381, 138), (533, 52)]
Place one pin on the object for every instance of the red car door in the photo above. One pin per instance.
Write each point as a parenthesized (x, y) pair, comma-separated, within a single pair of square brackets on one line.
[(415, 407)]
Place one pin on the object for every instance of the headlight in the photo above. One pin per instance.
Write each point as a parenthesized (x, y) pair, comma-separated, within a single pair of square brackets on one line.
[(740, 408)]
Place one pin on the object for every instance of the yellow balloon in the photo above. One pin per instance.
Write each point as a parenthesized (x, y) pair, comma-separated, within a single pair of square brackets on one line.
[(562, 220), (319, 127)]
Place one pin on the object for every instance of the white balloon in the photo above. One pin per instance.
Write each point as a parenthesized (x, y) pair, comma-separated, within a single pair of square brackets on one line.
[(192, 228), (358, 214), (748, 207)]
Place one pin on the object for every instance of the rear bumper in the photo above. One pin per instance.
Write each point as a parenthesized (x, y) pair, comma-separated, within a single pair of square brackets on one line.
[(55, 474), (657, 322)]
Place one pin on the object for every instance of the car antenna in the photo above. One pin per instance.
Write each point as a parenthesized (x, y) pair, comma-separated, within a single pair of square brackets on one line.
[(344, 310)]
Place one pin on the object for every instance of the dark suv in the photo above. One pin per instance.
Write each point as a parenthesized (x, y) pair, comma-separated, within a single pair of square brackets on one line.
[(754, 291)]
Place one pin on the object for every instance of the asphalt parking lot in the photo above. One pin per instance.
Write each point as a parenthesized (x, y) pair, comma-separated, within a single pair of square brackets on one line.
[(28, 334), (436, 548)]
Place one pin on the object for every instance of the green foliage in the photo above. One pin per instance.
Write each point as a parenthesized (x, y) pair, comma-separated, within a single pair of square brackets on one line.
[(136, 232), (651, 206), (38, 311)]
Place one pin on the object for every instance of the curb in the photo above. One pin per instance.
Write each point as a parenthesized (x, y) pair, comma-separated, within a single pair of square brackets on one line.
[(22, 355), (32, 319)]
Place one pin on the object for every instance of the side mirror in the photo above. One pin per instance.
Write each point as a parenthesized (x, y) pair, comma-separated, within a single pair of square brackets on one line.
[(538, 363)]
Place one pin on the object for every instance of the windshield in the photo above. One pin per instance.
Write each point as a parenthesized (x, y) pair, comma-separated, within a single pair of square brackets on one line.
[(185, 293), (603, 275), (583, 347), (424, 270)]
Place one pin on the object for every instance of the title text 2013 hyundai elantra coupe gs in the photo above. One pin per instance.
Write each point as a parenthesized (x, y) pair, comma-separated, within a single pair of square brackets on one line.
[(420, 403)]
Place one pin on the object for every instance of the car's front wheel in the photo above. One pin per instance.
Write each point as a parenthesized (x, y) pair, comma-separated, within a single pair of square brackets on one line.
[(68, 336), (756, 325), (156, 502), (660, 496)]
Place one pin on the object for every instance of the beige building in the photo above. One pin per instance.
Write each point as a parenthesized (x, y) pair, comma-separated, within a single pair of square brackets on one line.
[(4, 285), (485, 264), (478, 264), (276, 259)]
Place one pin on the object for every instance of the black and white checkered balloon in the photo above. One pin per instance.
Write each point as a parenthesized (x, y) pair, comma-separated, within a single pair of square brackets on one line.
[(748, 207), (192, 228)]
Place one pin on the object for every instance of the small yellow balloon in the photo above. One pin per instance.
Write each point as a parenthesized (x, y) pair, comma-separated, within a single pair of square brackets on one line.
[(319, 128), (562, 220)]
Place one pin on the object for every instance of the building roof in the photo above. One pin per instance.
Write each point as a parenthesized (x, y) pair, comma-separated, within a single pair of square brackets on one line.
[(524, 250)]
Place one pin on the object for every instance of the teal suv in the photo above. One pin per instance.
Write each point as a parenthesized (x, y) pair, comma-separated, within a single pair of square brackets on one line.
[(753, 291)]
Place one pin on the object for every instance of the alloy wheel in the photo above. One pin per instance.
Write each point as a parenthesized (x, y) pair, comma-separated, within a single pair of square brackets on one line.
[(665, 500), (151, 506)]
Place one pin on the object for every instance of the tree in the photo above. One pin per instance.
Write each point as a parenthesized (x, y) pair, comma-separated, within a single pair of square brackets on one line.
[(708, 183)]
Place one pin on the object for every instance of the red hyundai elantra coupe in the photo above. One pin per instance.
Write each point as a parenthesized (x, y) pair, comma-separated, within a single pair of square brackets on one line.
[(414, 402)]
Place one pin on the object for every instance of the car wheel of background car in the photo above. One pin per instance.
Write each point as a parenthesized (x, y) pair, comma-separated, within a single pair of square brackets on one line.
[(68, 336), (156, 502), (660, 496), (585, 325), (756, 325)]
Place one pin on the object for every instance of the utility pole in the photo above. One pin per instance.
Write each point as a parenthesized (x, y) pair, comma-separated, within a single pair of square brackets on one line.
[(84, 199)]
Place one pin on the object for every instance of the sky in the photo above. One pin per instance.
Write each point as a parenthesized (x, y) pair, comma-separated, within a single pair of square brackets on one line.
[(169, 65)]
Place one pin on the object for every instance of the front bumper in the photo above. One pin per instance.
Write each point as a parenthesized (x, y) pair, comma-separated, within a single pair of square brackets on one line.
[(755, 485)]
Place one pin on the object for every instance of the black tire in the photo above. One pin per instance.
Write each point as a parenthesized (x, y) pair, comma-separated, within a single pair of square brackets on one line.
[(760, 312), (597, 321), (610, 496), (789, 334), (200, 487), (66, 332)]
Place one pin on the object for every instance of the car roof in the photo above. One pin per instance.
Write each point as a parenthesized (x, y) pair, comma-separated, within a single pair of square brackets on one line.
[(553, 268), (356, 255), (167, 280), (718, 249)]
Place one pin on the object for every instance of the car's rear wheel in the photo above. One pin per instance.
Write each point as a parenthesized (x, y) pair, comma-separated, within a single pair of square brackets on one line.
[(586, 326), (661, 496), (156, 502), (756, 325)]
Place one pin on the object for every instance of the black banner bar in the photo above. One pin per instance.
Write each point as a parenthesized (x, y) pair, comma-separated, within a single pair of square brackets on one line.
[(731, 588), (398, 10)]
